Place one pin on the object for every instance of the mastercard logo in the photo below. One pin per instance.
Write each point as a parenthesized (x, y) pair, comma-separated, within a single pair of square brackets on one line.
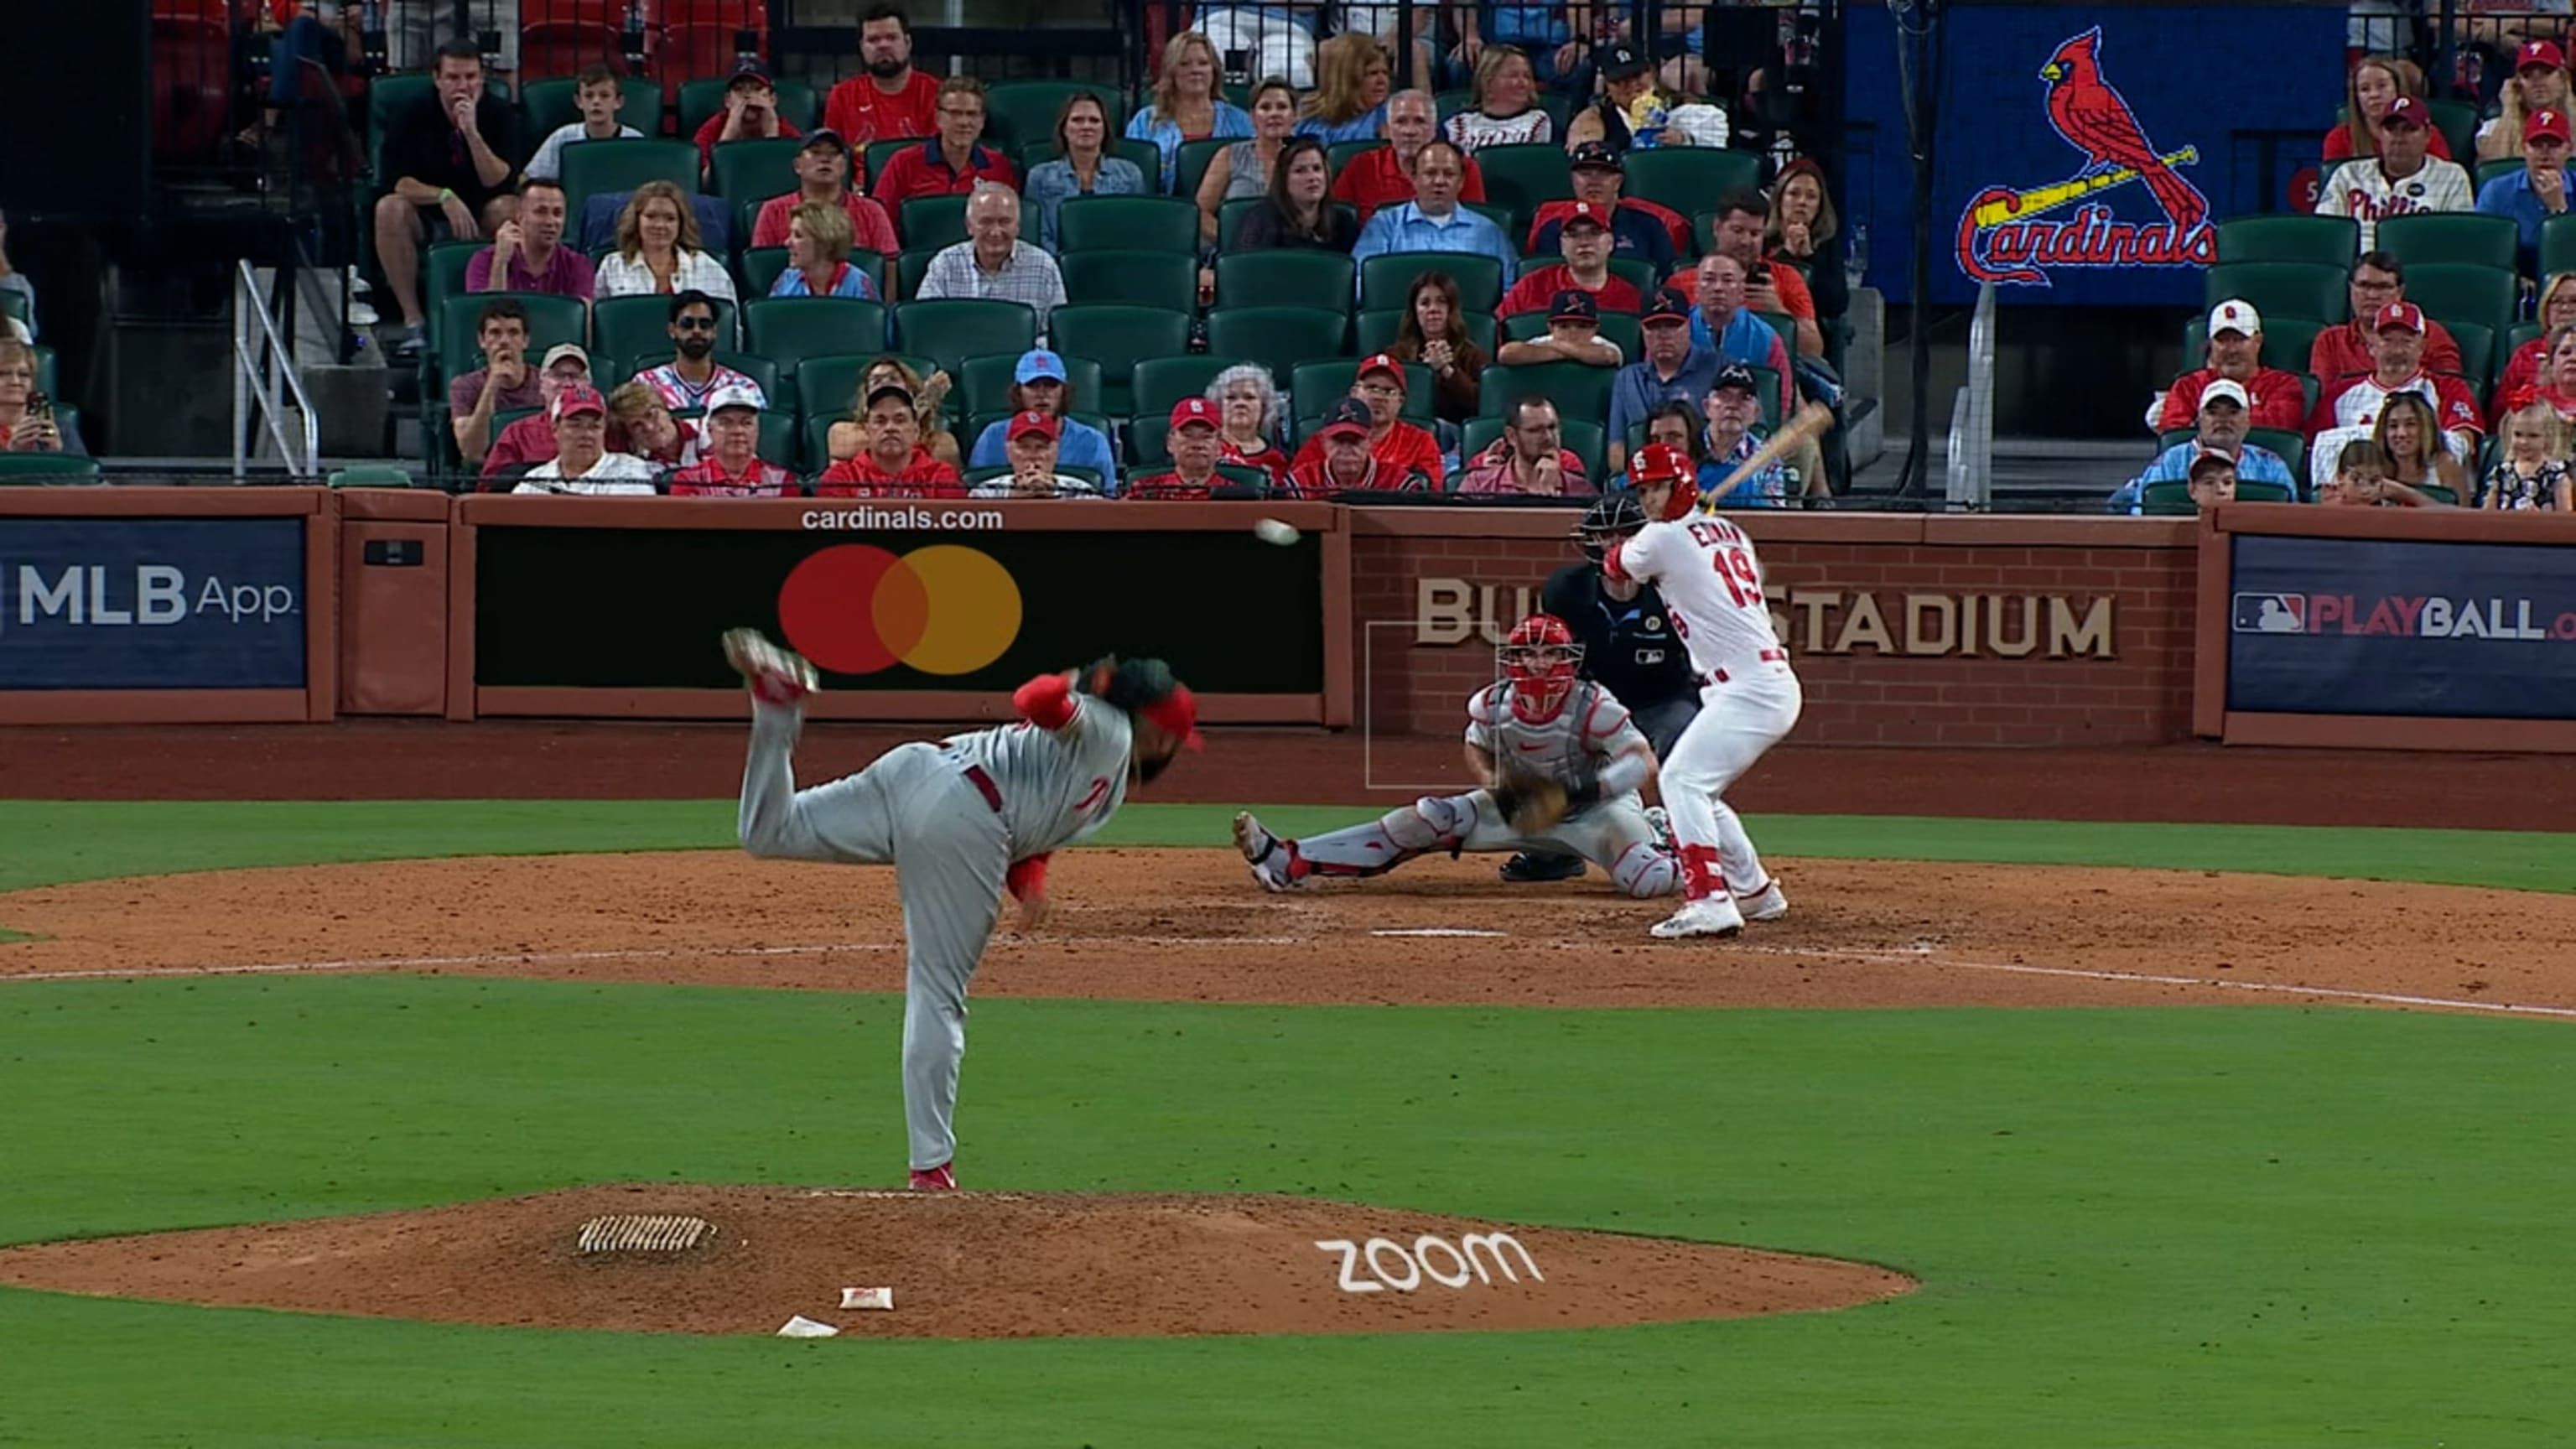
[(854, 609)]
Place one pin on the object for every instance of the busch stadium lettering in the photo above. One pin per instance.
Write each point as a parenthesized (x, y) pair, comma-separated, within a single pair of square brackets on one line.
[(1830, 621)]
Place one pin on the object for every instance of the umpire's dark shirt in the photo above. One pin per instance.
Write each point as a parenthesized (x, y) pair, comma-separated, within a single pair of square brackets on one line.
[(1628, 648)]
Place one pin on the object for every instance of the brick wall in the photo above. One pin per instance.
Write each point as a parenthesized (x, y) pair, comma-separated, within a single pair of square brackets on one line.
[(2046, 579)]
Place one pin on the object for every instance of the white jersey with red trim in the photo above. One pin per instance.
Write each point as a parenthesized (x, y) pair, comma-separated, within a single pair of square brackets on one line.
[(1591, 725), (2360, 190), (1712, 587), (1056, 786), (2351, 412)]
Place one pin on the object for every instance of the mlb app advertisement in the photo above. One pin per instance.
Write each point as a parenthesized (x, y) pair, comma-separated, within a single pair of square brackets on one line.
[(2363, 626), (152, 603), (2085, 155)]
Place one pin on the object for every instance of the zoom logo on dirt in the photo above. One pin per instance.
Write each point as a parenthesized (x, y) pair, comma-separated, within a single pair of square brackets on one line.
[(1431, 1260)]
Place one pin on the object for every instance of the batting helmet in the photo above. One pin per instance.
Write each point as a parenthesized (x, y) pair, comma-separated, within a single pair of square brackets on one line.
[(1664, 463), (1540, 658), (1612, 516)]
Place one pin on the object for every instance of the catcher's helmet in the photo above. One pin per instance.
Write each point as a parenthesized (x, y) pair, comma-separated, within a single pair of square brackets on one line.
[(1611, 517), (1662, 462), (1540, 658)]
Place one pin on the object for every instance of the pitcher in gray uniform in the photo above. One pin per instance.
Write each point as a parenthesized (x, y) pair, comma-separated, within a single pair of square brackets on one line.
[(1547, 721), (963, 822)]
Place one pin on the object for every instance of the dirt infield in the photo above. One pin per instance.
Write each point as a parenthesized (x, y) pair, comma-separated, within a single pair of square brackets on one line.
[(961, 1265), (1190, 926)]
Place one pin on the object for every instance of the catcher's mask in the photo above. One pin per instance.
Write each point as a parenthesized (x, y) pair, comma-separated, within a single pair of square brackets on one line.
[(1612, 517), (1664, 463), (1540, 658)]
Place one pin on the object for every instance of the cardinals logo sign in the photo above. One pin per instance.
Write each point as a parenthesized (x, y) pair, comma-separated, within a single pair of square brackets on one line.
[(2017, 236)]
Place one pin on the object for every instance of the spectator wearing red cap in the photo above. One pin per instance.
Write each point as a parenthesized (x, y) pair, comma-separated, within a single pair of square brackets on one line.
[(892, 100), (893, 464), (1529, 460), (1573, 335), (750, 114), (1584, 239), (2538, 83), (1033, 440), (2377, 80), (823, 175), (1340, 459), (731, 465), (1402, 449), (1652, 234), (1434, 333), (1384, 176), (2341, 351), (1197, 446), (2348, 410), (952, 162), (532, 439), (2531, 196), (582, 462), (2401, 180), (2274, 399)]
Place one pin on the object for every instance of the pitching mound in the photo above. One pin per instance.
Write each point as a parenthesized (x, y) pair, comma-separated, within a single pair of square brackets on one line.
[(959, 1265)]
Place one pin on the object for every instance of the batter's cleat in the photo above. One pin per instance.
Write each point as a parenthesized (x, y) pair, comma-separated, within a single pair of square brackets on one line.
[(1538, 865), (1273, 861), (776, 676), (1708, 916), (936, 1179), (1766, 904)]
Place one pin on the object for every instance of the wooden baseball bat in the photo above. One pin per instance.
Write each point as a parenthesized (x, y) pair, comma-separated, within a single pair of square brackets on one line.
[(1809, 421)]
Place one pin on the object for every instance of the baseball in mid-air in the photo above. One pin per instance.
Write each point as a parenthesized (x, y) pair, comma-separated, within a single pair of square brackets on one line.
[(1271, 530)]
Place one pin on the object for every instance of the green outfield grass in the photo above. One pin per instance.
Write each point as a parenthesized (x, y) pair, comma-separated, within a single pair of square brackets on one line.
[(2259, 1227)]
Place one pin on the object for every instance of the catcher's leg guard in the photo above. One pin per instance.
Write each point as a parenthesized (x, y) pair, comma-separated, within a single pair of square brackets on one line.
[(1647, 870), (1428, 824)]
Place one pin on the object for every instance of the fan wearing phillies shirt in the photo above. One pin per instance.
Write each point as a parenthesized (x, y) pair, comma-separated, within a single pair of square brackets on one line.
[(730, 466), (1749, 696), (2350, 409), (2234, 352), (2401, 180), (1586, 244), (1343, 463), (1404, 448), (1196, 449)]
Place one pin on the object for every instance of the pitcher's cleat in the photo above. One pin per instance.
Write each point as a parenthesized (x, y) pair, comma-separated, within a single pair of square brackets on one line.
[(1273, 861), (1766, 904), (776, 676), (936, 1179), (1710, 916)]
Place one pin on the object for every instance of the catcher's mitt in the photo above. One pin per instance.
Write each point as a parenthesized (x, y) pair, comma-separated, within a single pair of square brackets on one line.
[(1532, 803)]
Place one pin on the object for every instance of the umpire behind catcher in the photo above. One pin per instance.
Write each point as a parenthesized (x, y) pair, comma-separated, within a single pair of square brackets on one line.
[(1629, 648)]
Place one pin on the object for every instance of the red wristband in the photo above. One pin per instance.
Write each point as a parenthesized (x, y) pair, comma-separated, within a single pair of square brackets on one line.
[(1046, 701), (1027, 878)]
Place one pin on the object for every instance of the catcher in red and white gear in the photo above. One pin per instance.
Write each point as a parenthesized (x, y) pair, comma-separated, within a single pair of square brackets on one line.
[(1562, 764), (1749, 696)]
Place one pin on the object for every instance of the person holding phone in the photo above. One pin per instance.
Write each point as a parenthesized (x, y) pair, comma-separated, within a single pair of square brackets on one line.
[(27, 423)]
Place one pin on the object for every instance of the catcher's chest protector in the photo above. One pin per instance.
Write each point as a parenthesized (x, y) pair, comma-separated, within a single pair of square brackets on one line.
[(1558, 746)]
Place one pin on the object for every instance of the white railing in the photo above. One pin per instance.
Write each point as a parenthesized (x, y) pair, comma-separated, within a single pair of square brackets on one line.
[(1970, 477), (268, 384)]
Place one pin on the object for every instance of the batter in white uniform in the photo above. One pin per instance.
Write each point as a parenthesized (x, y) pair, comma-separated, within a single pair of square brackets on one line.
[(962, 822), (1704, 567), (1548, 722)]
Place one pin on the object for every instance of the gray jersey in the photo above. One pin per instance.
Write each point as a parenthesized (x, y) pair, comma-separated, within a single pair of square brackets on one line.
[(1589, 727), (1057, 786)]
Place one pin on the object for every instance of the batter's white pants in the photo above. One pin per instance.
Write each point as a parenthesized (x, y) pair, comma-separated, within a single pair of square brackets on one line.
[(1739, 718)]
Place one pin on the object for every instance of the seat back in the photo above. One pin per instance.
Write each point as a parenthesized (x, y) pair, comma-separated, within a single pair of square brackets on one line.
[(931, 222), (597, 168), (1313, 388), (984, 384), (1581, 394), (550, 105), (787, 330), (2309, 291), (1688, 178), (1282, 278), (641, 326), (1387, 281), (954, 329), (1167, 280), (1130, 223), (1277, 337), (1117, 337), (1161, 382), (2455, 295), (1022, 112), (2463, 238), (1524, 178), (756, 170)]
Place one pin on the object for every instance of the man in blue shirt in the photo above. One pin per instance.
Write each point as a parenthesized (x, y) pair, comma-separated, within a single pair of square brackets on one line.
[(1722, 324), (2223, 411), (1039, 385), (1434, 221), (1673, 369), (2539, 191)]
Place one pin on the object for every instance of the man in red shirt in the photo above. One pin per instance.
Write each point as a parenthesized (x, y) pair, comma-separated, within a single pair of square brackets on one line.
[(1401, 448), (893, 464), (1585, 239), (1655, 235), (892, 100), (731, 466), (2348, 409), (1339, 459), (1383, 176), (531, 440), (2378, 280), (2276, 399), (750, 114), (1768, 286), (1196, 450), (950, 163), (823, 174)]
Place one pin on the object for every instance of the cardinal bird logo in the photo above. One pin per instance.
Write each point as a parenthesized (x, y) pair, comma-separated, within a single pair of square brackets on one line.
[(2001, 238)]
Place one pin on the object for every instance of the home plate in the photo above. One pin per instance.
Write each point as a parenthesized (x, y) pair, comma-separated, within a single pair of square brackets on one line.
[(1436, 931)]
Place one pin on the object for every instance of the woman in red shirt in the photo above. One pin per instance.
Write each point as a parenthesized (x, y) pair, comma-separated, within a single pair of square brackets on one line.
[(1247, 403), (2376, 83)]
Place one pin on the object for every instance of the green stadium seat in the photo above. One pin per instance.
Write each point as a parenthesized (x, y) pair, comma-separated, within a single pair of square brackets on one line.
[(48, 380), (373, 475), (954, 329), (2324, 240), (787, 330), (830, 385), (641, 326), (756, 170), (2308, 291), (1129, 223), (18, 470), (2477, 355), (931, 222), (799, 105), (548, 105), (1160, 382), (1192, 167), (2558, 245), (2292, 447), (910, 268), (816, 453), (2452, 294), (551, 319), (1378, 328), (599, 168), (1282, 278), (2255, 491), (1342, 153), (1524, 178), (1689, 179), (984, 384), (2167, 499), (1022, 112), (1387, 281), (442, 275), (2458, 123), (1277, 337), (761, 268), (1117, 337), (1580, 393), (2461, 238), (878, 153), (1167, 280), (1637, 273), (1313, 388)]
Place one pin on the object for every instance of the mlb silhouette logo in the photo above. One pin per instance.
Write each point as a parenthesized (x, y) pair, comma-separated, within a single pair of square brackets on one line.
[(2271, 614)]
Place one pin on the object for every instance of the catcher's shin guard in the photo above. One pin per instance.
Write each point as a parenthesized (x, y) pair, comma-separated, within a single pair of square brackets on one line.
[(1435, 822)]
